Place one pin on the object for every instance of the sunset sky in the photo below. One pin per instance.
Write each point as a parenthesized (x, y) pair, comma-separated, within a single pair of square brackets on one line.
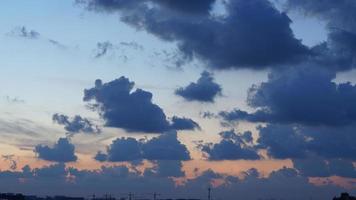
[(254, 98)]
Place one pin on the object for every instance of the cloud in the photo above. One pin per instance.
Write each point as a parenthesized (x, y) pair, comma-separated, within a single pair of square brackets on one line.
[(233, 146), (170, 58), (14, 100), (318, 167), (133, 45), (204, 90), (122, 149), (184, 124), (208, 115), (222, 42), (339, 50), (55, 171), (62, 151), (134, 111), (11, 160), (21, 126), (101, 157), (121, 107), (57, 44), (240, 115), (24, 33), (300, 142), (303, 95), (282, 142), (121, 50), (102, 48), (166, 168), (339, 14), (197, 6), (76, 125), (163, 147)]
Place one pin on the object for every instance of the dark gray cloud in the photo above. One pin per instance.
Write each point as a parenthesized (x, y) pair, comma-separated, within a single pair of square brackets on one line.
[(290, 141), (166, 168), (184, 124), (300, 142), (331, 142), (318, 167), (339, 50), (233, 146), (163, 147), (196, 6), (121, 149), (123, 108), (303, 95), (204, 90), (240, 115), (62, 151), (282, 142), (208, 115), (242, 38), (101, 157), (340, 14), (134, 111), (76, 125)]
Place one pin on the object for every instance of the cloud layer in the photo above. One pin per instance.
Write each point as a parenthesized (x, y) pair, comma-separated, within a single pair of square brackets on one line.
[(284, 183)]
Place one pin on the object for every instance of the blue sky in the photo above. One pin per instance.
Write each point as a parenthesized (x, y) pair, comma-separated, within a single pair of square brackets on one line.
[(270, 77)]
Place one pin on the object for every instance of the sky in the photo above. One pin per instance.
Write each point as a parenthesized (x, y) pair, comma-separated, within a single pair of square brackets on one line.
[(255, 99)]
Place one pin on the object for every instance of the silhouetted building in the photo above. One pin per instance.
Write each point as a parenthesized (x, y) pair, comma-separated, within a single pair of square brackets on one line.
[(11, 196), (344, 196), (67, 198)]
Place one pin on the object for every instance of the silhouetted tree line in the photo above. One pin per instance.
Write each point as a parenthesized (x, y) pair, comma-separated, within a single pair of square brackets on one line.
[(12, 196), (344, 196)]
